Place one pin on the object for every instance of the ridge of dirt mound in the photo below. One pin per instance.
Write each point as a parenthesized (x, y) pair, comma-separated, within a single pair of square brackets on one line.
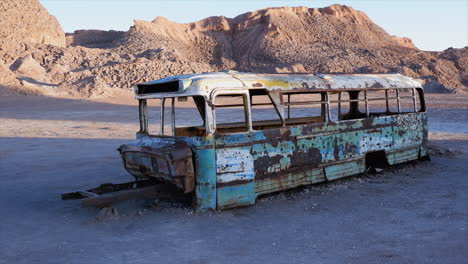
[(334, 39), (264, 38), (93, 38)]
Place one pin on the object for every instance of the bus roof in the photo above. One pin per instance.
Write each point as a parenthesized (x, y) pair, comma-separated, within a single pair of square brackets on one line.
[(205, 83)]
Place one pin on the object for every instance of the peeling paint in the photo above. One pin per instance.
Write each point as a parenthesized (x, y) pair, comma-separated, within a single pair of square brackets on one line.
[(204, 83), (232, 169)]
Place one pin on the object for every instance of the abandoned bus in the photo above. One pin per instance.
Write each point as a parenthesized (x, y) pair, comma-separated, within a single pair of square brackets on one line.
[(263, 133)]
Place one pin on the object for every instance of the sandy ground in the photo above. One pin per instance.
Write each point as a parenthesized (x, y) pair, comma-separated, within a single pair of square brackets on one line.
[(417, 213)]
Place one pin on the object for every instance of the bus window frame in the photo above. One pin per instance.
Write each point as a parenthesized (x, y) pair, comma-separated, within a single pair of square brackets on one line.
[(419, 106), (143, 115), (209, 117), (246, 105), (324, 105)]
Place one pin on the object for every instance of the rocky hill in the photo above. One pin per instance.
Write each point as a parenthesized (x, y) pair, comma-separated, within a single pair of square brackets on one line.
[(290, 39), (28, 21)]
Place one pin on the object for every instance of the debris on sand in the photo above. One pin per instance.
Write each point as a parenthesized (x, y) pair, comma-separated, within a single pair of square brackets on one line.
[(107, 214), (439, 150)]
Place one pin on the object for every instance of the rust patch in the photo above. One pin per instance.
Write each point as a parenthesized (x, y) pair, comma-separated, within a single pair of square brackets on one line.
[(261, 164), (272, 133), (351, 149), (286, 133), (231, 183), (367, 123), (336, 150), (171, 162), (401, 132), (377, 85), (305, 85), (311, 157)]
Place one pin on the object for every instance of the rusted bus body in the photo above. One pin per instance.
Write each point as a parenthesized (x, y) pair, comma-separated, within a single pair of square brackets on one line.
[(230, 164)]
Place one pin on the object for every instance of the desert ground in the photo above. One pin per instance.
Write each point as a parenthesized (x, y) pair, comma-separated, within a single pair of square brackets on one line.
[(413, 213)]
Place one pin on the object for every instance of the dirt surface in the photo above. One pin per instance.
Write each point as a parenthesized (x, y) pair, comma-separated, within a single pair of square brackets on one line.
[(417, 213)]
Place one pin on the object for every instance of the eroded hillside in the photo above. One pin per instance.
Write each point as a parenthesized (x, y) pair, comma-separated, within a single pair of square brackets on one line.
[(290, 39)]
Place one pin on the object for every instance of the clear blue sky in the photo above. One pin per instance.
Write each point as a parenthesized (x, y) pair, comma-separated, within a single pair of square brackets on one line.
[(433, 25)]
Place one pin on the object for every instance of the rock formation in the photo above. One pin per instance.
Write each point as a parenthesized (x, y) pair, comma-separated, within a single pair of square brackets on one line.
[(28, 21), (333, 39)]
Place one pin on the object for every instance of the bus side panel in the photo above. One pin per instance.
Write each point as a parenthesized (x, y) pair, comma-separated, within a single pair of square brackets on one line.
[(205, 187), (404, 155), (377, 134), (338, 145), (289, 179), (289, 157), (312, 153), (344, 169), (234, 171), (284, 160), (343, 145), (410, 138)]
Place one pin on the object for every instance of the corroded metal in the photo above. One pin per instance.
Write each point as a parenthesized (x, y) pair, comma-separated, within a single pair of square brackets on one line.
[(170, 160), (205, 83), (231, 169), (108, 194), (143, 111)]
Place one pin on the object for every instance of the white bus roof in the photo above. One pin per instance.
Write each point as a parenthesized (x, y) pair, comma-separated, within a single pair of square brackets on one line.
[(204, 83)]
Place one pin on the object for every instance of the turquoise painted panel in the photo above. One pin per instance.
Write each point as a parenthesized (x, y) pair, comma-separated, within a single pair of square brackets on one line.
[(236, 138), (205, 190), (289, 180), (341, 170), (236, 195), (401, 156)]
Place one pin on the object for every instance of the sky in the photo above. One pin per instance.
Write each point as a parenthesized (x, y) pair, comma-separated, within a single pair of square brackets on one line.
[(432, 25)]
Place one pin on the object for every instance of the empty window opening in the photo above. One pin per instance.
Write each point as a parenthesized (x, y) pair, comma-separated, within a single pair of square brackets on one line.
[(180, 116), (339, 103), (264, 113), (231, 113), (302, 108), (391, 101), (190, 116)]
